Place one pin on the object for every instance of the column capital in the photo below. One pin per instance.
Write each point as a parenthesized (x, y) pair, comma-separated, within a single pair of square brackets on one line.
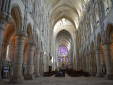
[(98, 49), (107, 42), (31, 43), (20, 34), (5, 42)]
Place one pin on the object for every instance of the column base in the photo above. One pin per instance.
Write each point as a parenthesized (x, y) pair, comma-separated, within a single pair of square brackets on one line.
[(99, 75), (28, 77), (0, 76), (109, 76), (16, 79), (36, 75), (92, 74)]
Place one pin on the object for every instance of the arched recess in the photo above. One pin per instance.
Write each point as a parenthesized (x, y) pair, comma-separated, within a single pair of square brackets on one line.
[(93, 58), (102, 55), (34, 58), (109, 35), (64, 40), (29, 37), (29, 32), (36, 50), (9, 38), (16, 15), (69, 29)]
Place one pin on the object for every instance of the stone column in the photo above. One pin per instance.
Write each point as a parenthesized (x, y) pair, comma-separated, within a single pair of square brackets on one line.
[(45, 61), (4, 50), (29, 74), (90, 64), (39, 69), (37, 64), (2, 26), (5, 6), (92, 73), (84, 63), (109, 74), (18, 59), (41, 64), (78, 65), (98, 63), (87, 63), (11, 50)]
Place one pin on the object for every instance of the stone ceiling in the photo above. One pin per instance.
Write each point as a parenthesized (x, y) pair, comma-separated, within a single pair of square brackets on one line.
[(70, 9), (64, 38)]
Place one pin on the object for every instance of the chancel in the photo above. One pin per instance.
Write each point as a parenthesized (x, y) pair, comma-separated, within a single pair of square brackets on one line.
[(56, 42)]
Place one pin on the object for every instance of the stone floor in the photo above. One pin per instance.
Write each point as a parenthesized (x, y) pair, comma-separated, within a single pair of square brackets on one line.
[(65, 81)]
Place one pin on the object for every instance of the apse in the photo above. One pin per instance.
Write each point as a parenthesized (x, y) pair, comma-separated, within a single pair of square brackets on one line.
[(63, 43), (64, 49)]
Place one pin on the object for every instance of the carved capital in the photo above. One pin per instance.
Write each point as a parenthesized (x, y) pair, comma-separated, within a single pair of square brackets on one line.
[(20, 34), (107, 42), (31, 43)]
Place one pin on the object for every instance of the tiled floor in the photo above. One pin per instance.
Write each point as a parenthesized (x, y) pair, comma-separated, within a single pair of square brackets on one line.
[(66, 81)]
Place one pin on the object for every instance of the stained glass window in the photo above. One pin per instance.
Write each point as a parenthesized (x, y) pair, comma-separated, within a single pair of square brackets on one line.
[(62, 51)]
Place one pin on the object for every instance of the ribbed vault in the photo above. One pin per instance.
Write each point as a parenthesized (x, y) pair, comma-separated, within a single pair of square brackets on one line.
[(71, 9)]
